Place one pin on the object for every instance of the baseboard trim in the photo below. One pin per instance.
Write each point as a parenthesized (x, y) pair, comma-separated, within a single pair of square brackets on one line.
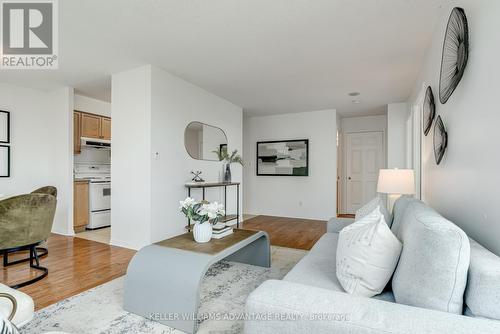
[(323, 218), (65, 233), (124, 244)]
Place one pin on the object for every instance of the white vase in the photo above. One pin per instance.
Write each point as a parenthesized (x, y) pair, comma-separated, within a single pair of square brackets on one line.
[(202, 232)]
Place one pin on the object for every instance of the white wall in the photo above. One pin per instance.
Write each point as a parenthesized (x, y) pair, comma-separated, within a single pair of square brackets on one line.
[(150, 165), (352, 125), (311, 197), (29, 138), (175, 103), (464, 187), (41, 149), (60, 131), (93, 106), (364, 124), (93, 155), (397, 116), (131, 158)]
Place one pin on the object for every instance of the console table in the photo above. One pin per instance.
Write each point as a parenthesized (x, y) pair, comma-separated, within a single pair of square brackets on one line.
[(204, 185), (163, 280)]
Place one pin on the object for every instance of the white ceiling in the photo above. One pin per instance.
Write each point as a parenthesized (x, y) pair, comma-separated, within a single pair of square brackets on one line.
[(267, 56)]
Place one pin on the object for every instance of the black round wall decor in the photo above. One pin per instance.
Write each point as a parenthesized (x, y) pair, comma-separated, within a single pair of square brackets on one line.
[(455, 53), (429, 110), (440, 140)]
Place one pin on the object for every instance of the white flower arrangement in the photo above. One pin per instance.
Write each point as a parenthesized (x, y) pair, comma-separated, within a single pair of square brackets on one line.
[(202, 211)]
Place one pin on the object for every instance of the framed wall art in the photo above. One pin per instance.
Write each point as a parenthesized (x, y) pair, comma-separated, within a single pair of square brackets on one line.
[(283, 158), (4, 127), (4, 161)]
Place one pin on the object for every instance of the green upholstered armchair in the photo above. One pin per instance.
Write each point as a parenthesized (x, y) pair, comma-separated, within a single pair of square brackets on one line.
[(42, 249), (46, 190), (25, 222)]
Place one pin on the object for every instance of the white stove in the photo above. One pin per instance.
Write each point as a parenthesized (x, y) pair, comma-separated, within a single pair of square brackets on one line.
[(92, 177), (99, 176)]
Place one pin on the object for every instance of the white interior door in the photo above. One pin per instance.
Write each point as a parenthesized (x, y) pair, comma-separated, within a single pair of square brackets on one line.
[(364, 154)]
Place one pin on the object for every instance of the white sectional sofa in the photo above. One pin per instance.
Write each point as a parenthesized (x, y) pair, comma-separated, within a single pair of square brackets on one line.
[(443, 283)]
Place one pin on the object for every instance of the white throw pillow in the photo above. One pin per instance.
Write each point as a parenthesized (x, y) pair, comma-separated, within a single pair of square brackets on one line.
[(372, 205), (367, 255)]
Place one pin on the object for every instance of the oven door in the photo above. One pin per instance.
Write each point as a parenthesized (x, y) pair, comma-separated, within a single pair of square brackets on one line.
[(99, 219), (100, 195)]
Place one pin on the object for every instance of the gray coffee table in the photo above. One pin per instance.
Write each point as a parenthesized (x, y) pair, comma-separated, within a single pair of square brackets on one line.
[(163, 280)]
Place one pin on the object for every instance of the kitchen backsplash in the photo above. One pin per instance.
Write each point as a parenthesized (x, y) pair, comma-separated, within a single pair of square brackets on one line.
[(93, 155)]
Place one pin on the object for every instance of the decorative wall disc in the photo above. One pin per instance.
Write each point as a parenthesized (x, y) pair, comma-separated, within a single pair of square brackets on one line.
[(429, 110), (455, 54), (440, 140)]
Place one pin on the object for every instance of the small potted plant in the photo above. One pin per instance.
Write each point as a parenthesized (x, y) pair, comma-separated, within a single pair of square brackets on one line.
[(204, 214), (228, 160)]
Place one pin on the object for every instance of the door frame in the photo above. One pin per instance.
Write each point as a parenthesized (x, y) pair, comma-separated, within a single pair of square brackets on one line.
[(343, 177), (418, 146)]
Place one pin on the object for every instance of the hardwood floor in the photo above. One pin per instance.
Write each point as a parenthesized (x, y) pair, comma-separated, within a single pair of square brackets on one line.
[(288, 232), (75, 265)]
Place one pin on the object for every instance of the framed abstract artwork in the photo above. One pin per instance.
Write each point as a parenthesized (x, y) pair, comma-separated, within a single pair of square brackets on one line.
[(4, 161), (283, 158), (4, 127)]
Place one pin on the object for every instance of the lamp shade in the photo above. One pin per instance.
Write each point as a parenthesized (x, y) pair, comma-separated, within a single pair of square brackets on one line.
[(396, 181)]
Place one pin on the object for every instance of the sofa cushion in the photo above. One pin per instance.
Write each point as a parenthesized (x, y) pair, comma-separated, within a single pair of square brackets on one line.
[(482, 294), (368, 208), (386, 296), (336, 224), (347, 314), (432, 270), (367, 255), (317, 268), (399, 211)]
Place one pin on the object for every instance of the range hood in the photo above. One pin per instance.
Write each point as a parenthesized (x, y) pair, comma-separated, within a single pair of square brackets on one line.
[(96, 143)]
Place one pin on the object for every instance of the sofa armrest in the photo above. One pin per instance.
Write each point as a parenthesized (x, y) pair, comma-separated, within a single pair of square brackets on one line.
[(286, 307), (335, 225)]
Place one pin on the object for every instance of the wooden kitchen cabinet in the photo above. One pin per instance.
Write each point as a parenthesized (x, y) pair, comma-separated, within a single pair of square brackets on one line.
[(77, 145), (91, 126), (80, 205), (106, 128)]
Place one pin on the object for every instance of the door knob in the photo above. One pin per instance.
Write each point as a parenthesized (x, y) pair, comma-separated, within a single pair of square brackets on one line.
[(349, 178)]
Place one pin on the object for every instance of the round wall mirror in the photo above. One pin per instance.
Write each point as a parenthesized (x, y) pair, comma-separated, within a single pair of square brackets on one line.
[(202, 141)]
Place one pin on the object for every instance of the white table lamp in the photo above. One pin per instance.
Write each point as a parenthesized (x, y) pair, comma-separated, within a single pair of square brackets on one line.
[(396, 182)]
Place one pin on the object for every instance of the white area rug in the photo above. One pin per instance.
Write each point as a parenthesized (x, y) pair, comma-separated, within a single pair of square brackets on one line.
[(224, 290)]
